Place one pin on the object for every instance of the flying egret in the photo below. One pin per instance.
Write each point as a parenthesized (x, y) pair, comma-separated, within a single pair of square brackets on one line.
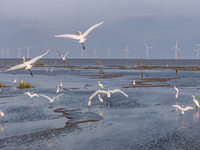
[(31, 94), (63, 57), (100, 85), (15, 81), (51, 99), (195, 101), (176, 89), (80, 37), (183, 109), (100, 99), (27, 64), (107, 92)]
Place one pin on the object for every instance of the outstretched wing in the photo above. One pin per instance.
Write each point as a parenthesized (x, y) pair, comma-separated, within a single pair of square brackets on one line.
[(45, 96), (97, 92), (16, 67), (35, 95), (91, 28), (187, 108), (36, 58), (66, 54), (177, 106), (77, 37), (28, 93), (59, 53), (118, 90)]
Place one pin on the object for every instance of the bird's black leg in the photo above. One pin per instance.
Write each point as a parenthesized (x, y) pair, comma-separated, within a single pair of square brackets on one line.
[(30, 72), (83, 46)]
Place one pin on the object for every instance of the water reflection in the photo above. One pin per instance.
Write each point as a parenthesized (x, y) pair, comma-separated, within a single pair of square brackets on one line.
[(182, 123), (2, 128), (101, 111), (196, 116)]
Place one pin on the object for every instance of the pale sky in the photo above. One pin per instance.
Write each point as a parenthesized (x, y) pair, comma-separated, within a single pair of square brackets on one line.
[(158, 23)]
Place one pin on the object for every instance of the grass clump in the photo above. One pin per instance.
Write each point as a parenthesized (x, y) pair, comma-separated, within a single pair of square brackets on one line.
[(4, 86), (23, 85)]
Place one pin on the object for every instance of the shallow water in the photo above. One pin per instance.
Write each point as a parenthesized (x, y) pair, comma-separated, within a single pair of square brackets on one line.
[(144, 120)]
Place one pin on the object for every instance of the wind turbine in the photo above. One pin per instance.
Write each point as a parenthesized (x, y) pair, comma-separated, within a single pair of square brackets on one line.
[(147, 50), (126, 51), (109, 52), (7, 53), (3, 53), (28, 50), (19, 50), (94, 53), (82, 53), (176, 48), (197, 53)]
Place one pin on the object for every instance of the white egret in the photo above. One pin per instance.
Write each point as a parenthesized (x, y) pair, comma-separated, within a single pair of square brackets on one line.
[(63, 57), (133, 82), (51, 99), (176, 89), (2, 114), (195, 101), (100, 85), (183, 109), (107, 92), (80, 37), (15, 81), (100, 99), (60, 84), (31, 94), (89, 103), (57, 90), (27, 64)]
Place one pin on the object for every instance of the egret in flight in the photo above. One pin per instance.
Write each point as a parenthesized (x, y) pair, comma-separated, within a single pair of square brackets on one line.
[(107, 92), (183, 109), (31, 94), (51, 99), (80, 37), (195, 101), (27, 64), (63, 57)]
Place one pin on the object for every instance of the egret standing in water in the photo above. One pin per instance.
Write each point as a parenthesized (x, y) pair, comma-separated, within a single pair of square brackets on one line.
[(2, 114), (100, 99), (27, 64), (99, 84), (15, 81), (133, 82), (195, 101), (80, 37), (176, 89)]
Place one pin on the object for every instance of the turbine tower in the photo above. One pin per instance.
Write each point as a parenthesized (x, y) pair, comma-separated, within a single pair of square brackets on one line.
[(82, 53), (94, 53), (197, 53), (126, 51), (28, 50), (3, 53), (7, 53), (147, 50), (109, 52), (19, 50), (176, 48)]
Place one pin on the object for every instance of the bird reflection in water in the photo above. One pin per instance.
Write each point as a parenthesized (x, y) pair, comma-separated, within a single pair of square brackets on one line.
[(196, 116), (101, 111)]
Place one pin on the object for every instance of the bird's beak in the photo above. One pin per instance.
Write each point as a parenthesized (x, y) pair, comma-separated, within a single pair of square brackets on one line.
[(77, 32), (21, 58)]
